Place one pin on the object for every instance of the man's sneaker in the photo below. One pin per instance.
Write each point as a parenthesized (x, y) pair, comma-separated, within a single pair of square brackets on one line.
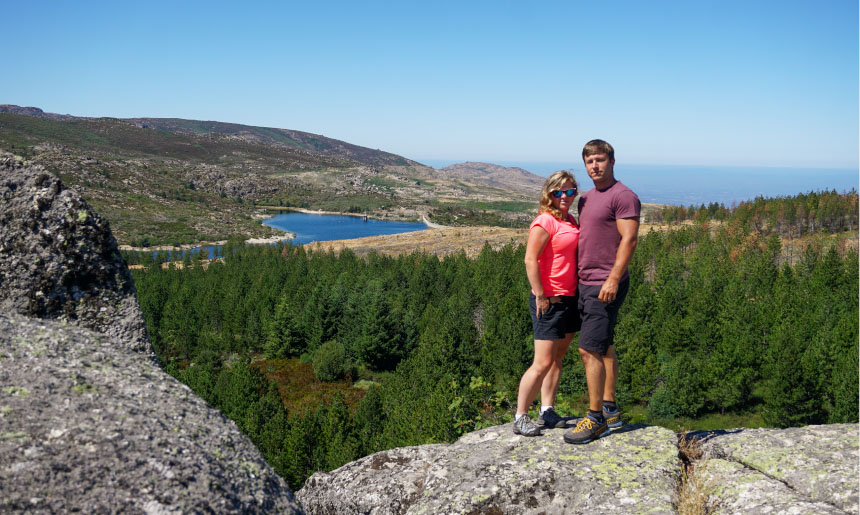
[(613, 418), (586, 430), (524, 426), (550, 418)]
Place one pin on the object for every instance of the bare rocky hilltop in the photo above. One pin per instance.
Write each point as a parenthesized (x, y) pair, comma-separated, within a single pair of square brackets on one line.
[(506, 177)]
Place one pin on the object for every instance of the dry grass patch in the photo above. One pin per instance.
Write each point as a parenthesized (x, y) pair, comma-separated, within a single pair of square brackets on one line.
[(439, 242), (694, 490)]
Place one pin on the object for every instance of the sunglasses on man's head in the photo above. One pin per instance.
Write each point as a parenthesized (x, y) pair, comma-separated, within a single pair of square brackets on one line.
[(557, 193)]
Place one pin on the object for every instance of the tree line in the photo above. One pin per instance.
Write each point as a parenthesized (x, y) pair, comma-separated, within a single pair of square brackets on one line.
[(790, 217), (713, 324)]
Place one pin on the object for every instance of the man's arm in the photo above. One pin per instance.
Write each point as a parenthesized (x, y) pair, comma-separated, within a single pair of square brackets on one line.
[(628, 228)]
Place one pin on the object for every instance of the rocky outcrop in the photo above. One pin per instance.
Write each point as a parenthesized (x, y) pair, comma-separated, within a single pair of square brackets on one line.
[(494, 471), (59, 260), (88, 421), (33, 111), (89, 426), (811, 469), (635, 470)]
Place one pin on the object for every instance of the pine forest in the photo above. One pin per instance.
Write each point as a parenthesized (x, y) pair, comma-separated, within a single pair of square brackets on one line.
[(742, 316)]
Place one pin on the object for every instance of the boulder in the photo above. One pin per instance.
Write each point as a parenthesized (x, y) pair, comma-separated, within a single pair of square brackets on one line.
[(86, 425), (494, 471), (59, 260), (812, 469), (88, 421)]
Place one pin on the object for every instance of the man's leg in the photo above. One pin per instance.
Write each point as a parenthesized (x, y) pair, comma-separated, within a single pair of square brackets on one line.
[(592, 342), (595, 376), (610, 365), (593, 425)]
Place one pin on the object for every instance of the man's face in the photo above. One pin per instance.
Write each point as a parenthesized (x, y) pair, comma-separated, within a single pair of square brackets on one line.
[(600, 169)]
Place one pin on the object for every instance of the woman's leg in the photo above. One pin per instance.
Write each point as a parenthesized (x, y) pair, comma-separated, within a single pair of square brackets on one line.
[(531, 381), (549, 387)]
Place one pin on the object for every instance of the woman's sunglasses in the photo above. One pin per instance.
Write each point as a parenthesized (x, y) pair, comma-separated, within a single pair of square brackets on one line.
[(558, 193)]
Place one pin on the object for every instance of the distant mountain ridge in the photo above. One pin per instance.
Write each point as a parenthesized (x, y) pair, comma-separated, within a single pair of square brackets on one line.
[(297, 140), (508, 177), (34, 111)]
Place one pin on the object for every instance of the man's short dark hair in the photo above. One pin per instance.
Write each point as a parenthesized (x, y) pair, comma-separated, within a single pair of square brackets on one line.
[(598, 146)]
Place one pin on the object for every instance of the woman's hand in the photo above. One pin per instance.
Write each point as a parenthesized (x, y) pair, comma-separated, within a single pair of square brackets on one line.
[(542, 304)]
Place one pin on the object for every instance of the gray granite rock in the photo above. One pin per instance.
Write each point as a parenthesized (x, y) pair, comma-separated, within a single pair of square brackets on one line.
[(88, 421), (495, 471), (811, 469), (59, 260), (86, 425), (735, 488)]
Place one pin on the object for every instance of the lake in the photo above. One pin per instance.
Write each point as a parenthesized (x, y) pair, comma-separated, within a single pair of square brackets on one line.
[(309, 227)]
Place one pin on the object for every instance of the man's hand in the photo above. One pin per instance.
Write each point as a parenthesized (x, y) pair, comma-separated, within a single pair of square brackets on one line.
[(608, 291), (628, 228)]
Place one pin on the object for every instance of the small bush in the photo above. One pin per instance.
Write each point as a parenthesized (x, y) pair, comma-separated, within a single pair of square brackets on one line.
[(330, 361)]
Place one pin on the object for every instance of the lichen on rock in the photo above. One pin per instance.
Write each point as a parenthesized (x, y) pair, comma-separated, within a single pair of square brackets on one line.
[(817, 464), (88, 421), (495, 471), (59, 260), (116, 435)]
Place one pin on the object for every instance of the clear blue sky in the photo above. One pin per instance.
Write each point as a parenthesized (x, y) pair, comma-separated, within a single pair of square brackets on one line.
[(771, 83)]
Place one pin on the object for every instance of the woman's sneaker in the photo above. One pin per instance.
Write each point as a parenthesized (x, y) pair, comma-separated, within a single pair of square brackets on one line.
[(586, 430), (524, 426), (550, 418), (613, 418)]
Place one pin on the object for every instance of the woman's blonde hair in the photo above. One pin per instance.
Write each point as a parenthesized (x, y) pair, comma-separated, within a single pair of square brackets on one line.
[(554, 182)]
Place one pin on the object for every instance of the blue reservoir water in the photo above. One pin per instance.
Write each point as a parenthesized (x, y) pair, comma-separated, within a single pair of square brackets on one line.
[(309, 227)]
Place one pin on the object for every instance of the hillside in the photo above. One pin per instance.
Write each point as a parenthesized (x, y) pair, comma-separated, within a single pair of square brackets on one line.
[(291, 140), (174, 181), (488, 174)]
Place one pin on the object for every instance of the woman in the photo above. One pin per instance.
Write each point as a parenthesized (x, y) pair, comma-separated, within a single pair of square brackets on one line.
[(551, 270)]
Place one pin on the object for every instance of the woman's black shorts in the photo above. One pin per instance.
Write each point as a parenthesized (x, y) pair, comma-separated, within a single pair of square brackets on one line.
[(560, 319)]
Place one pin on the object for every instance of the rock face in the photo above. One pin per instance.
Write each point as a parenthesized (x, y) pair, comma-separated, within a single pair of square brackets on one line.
[(90, 426), (88, 421), (59, 260), (811, 469), (494, 471)]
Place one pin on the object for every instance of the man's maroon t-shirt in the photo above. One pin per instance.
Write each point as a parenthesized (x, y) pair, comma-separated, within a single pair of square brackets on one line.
[(599, 237)]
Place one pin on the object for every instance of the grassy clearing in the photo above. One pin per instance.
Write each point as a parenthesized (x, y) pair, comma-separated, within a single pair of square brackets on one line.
[(709, 422), (300, 389)]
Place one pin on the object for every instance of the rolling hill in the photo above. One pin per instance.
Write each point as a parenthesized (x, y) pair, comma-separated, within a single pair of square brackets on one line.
[(175, 181), (511, 178)]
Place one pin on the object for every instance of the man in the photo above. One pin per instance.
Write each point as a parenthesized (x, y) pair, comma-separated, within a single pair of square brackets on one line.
[(609, 223)]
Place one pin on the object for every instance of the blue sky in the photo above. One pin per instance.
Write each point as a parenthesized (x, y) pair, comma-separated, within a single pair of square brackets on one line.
[(752, 83)]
